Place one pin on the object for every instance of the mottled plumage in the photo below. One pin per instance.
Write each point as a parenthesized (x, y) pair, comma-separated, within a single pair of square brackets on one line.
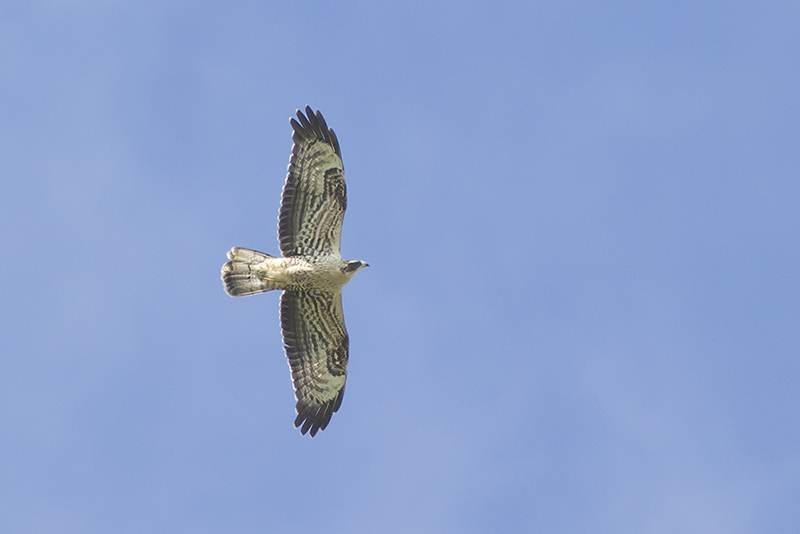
[(311, 271)]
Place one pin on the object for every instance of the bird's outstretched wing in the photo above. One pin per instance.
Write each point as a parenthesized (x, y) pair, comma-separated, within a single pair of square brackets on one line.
[(316, 344), (314, 196)]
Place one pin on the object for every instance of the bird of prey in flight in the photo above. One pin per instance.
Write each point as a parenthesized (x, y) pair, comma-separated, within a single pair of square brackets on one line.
[(311, 272)]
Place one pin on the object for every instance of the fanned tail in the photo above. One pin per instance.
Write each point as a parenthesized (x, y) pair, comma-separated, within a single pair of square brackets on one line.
[(239, 276)]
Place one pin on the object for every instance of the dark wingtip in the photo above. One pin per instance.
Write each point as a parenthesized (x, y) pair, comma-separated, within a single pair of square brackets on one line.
[(312, 125), (312, 419), (303, 120)]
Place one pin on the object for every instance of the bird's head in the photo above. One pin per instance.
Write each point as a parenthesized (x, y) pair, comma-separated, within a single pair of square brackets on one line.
[(351, 267)]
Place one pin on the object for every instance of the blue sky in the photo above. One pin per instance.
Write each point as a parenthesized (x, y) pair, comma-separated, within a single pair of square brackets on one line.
[(583, 307)]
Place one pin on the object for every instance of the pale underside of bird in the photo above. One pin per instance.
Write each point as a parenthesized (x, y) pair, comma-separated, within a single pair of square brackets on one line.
[(311, 272)]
